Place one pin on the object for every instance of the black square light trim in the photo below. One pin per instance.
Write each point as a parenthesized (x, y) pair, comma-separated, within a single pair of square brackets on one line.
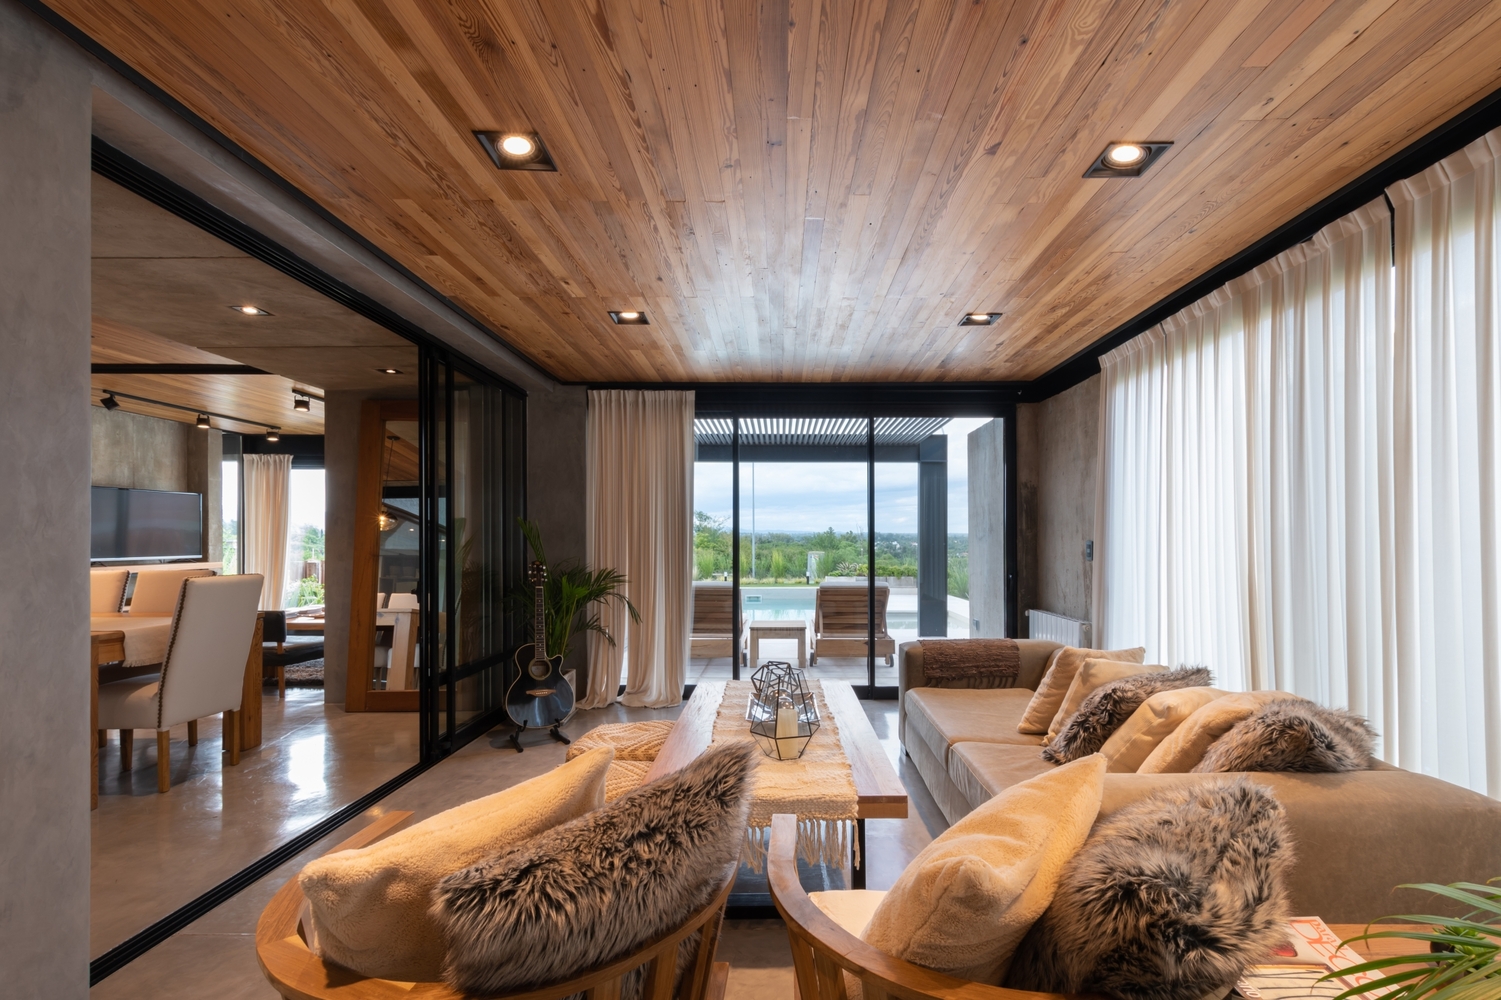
[(494, 145), (1102, 167), (979, 319), (628, 317)]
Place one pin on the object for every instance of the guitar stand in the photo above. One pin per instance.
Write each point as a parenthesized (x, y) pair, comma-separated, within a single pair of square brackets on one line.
[(552, 731)]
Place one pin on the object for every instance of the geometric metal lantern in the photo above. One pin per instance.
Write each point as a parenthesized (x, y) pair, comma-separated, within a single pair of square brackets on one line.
[(783, 715)]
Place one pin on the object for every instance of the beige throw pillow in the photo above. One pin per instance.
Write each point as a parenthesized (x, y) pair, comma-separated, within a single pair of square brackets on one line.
[(369, 907), (964, 904), (1062, 667), (1152, 722), (1186, 746), (1095, 673)]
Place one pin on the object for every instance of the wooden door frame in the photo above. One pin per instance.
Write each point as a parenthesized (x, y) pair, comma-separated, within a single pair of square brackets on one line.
[(367, 498)]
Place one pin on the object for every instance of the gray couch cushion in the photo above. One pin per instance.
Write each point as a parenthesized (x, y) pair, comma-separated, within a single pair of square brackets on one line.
[(943, 716), (981, 771)]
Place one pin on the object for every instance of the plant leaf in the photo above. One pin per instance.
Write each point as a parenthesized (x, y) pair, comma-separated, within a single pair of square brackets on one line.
[(1459, 895)]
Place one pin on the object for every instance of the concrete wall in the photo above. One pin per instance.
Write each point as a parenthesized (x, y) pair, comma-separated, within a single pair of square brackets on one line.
[(44, 450), (556, 421), (987, 531), (1057, 454)]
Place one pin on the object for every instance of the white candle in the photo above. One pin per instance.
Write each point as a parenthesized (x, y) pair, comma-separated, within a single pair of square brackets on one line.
[(786, 722)]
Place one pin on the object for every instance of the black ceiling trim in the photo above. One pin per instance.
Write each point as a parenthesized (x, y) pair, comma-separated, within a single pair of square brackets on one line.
[(1450, 137), (149, 369), (878, 399), (104, 55)]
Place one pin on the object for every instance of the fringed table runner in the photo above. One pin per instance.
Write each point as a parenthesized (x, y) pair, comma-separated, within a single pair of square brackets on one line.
[(818, 787), (996, 660)]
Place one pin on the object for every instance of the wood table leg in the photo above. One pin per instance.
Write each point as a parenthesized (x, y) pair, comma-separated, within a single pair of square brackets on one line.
[(163, 760), (127, 749), (232, 737), (192, 732), (250, 693)]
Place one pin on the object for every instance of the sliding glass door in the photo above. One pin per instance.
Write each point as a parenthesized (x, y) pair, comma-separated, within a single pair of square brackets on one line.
[(473, 491)]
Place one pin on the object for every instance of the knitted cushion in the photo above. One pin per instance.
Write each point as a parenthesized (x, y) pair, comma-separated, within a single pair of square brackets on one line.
[(625, 776), (630, 740)]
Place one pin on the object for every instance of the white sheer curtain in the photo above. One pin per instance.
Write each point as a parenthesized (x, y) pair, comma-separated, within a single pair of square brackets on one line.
[(640, 503), (1446, 429), (1238, 480), (268, 486)]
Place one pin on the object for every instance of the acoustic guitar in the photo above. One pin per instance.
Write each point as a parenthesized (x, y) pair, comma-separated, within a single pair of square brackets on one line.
[(540, 697)]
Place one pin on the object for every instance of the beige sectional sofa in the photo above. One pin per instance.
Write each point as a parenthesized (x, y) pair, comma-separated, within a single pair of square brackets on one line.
[(1358, 835)]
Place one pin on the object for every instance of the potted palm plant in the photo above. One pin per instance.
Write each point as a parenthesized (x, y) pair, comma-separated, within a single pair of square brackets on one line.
[(571, 598), (1462, 960)]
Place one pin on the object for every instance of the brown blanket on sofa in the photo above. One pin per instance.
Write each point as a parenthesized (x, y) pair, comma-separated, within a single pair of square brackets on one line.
[(999, 660)]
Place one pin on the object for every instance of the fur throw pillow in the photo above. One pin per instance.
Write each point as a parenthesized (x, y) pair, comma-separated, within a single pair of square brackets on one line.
[(1169, 899), (1103, 712), (1294, 736), (592, 889)]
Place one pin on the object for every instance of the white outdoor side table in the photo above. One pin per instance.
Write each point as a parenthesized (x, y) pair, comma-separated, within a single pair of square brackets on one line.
[(759, 630)]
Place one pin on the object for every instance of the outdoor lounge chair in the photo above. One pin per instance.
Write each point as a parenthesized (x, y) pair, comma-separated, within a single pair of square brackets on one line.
[(713, 619), (840, 617)]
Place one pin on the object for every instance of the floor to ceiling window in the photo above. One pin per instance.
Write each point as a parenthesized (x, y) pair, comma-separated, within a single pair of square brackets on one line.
[(833, 539)]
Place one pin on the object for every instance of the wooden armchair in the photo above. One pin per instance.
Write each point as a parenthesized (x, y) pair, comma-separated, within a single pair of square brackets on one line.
[(823, 953), (297, 974)]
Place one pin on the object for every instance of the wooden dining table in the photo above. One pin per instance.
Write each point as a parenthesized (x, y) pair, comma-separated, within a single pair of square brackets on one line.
[(116, 643)]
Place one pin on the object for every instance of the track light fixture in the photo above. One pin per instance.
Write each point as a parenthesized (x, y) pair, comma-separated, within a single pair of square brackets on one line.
[(203, 422), (301, 403), (273, 434), (109, 402), (203, 418)]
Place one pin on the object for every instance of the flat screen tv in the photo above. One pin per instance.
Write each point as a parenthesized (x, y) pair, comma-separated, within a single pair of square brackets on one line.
[(131, 525)]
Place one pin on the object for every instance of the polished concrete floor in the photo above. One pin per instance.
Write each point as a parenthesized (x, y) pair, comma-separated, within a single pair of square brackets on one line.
[(216, 955), (154, 852)]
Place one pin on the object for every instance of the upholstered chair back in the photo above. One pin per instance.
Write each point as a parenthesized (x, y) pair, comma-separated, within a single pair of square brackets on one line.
[(107, 590), (156, 589), (204, 671)]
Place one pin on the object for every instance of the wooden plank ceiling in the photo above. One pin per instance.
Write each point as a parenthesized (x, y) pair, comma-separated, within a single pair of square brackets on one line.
[(163, 291), (811, 191)]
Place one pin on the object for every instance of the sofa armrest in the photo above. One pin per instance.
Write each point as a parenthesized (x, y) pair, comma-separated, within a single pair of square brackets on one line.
[(1035, 654)]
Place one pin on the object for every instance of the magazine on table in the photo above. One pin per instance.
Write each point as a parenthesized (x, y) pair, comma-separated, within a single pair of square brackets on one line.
[(1294, 970)]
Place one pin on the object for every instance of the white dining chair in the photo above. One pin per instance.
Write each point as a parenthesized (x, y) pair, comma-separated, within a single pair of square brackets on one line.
[(203, 673), (402, 602), (156, 589), (107, 590)]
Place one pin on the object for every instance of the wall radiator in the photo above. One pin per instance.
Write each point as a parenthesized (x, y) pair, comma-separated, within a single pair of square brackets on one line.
[(1069, 631)]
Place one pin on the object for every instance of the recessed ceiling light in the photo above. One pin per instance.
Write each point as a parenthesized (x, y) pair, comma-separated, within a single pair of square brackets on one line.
[(389, 371), (203, 423), (273, 434), (248, 310), (1126, 159), (518, 145), (515, 150), (109, 402), (629, 317), (979, 319)]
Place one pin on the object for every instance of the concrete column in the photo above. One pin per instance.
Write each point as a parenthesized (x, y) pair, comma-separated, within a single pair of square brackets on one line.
[(44, 450), (987, 531), (206, 476), (556, 421), (933, 536)]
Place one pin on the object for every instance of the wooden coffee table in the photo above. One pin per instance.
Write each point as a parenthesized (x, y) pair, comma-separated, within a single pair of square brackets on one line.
[(880, 793)]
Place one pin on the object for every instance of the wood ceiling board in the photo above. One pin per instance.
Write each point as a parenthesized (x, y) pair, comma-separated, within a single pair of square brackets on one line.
[(117, 343), (809, 191), (261, 399)]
